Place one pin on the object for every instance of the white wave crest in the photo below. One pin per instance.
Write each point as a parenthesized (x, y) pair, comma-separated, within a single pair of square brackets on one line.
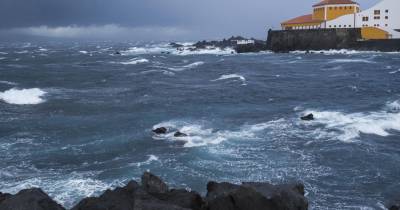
[(186, 67), (3, 53), (350, 126), (7, 82), (351, 61), (135, 61), (341, 51), (198, 134), (23, 96), (231, 76), (187, 49), (84, 52), (394, 72), (2, 58), (393, 106), (151, 158)]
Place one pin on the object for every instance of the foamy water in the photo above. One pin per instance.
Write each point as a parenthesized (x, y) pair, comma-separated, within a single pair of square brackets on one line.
[(23, 96)]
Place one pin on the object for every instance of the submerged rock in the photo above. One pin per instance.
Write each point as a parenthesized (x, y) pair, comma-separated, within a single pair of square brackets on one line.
[(179, 134), (255, 196), (308, 117), (161, 130), (29, 199)]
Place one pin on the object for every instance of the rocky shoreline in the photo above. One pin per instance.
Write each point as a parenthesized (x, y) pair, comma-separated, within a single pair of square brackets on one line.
[(233, 42), (153, 194)]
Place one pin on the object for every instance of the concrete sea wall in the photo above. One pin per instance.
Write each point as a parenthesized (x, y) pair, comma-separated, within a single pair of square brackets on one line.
[(326, 39)]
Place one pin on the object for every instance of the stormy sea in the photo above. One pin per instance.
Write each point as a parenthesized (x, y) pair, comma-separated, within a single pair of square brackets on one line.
[(77, 119)]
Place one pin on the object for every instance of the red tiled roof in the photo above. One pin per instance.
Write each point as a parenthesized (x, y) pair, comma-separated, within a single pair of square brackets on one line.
[(326, 2), (302, 19)]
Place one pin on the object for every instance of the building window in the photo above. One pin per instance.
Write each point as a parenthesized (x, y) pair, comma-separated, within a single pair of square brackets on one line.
[(334, 26), (377, 17), (340, 26), (349, 26), (377, 12), (365, 19), (386, 25), (387, 11), (386, 17), (330, 26), (335, 7)]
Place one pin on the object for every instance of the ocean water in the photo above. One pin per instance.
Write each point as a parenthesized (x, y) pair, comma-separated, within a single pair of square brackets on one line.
[(76, 119)]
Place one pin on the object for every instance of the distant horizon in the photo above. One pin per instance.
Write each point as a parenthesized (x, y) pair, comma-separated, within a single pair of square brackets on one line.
[(152, 20)]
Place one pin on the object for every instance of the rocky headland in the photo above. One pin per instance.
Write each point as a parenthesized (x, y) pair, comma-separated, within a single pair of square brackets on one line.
[(231, 43), (154, 194)]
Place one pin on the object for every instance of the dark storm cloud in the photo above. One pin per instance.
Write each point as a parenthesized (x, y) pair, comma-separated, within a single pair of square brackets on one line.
[(190, 18)]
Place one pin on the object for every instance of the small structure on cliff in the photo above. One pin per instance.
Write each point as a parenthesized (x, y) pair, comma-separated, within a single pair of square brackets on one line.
[(378, 22)]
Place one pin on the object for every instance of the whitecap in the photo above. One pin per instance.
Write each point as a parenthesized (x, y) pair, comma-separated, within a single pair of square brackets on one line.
[(350, 61), (135, 61), (150, 159), (351, 125), (2, 58), (186, 67), (231, 76), (3, 53), (394, 72), (199, 134), (7, 82), (157, 71), (23, 96), (393, 106), (84, 52)]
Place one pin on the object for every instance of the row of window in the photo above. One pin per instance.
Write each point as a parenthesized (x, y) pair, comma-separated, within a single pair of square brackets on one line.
[(365, 19), (375, 25), (340, 8), (340, 26), (378, 12), (306, 27)]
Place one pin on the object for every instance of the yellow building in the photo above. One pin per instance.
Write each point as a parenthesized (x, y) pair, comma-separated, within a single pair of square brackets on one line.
[(324, 11)]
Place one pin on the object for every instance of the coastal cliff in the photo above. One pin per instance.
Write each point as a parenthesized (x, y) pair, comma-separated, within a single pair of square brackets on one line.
[(326, 39)]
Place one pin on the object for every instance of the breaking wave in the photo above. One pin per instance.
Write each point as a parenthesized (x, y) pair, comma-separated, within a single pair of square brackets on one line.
[(23, 96), (187, 49), (351, 125), (199, 134), (232, 76), (351, 61), (186, 67), (135, 61)]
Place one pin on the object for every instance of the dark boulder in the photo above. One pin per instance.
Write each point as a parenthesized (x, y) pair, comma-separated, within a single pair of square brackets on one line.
[(255, 196), (179, 134), (29, 199), (175, 45), (117, 53), (308, 117), (161, 130), (395, 205), (152, 195), (153, 184), (4, 196)]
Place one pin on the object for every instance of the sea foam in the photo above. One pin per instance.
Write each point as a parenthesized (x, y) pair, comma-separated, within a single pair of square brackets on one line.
[(351, 125), (23, 96), (135, 61)]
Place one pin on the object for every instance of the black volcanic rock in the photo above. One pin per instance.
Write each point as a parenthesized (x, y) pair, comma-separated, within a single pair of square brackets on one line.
[(308, 117), (152, 195), (255, 196), (29, 199), (179, 134), (161, 130), (153, 184), (175, 45), (395, 205)]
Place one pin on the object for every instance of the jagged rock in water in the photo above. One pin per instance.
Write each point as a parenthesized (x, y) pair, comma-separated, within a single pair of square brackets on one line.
[(179, 134), (395, 205), (308, 117), (255, 196), (29, 199), (161, 130)]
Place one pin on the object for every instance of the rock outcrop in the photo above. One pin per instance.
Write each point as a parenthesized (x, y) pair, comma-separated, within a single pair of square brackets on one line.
[(308, 117), (154, 194), (29, 199), (255, 196), (161, 130)]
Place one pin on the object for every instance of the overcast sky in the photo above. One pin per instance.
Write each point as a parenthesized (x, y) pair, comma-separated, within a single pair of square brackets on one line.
[(148, 19)]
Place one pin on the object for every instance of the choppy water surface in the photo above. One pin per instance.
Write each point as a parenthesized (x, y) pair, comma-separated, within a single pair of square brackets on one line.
[(76, 119)]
